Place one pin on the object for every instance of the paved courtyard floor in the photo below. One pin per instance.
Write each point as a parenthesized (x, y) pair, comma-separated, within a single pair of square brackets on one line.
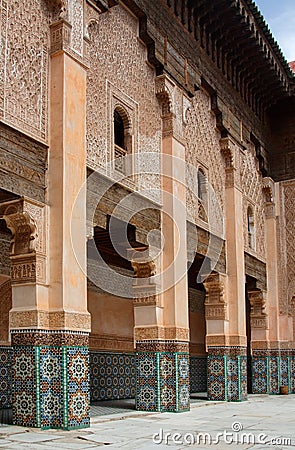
[(263, 422)]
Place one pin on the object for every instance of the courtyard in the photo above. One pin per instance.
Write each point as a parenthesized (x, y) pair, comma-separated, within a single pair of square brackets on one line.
[(262, 422)]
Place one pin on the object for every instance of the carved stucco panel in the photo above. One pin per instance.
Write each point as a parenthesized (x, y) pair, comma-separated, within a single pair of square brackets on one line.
[(202, 143), (252, 188), (286, 246), (76, 20), (118, 59), (24, 65)]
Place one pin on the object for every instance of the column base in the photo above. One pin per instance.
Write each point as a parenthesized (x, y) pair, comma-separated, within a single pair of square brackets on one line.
[(227, 374), (162, 376), (50, 375), (273, 369)]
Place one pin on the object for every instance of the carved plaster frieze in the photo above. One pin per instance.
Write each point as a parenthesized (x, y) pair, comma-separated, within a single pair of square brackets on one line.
[(226, 341), (53, 320), (111, 342), (162, 333)]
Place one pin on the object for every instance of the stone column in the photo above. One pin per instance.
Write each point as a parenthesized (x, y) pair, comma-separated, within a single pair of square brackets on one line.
[(161, 327), (226, 339), (49, 321)]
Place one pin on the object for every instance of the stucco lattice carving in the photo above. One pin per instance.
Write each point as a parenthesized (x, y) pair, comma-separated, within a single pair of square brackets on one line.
[(253, 193), (118, 59), (202, 144), (286, 245), (24, 65), (76, 20)]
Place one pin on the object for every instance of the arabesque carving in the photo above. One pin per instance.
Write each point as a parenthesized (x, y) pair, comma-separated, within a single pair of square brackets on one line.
[(24, 66)]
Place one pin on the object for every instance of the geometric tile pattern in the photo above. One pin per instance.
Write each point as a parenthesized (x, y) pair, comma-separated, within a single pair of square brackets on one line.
[(243, 378), (270, 372), (112, 376), (76, 386), (5, 377), (274, 375), (227, 375), (50, 394), (182, 365), (260, 370), (284, 370), (292, 374), (50, 386), (24, 393), (163, 381), (198, 374), (233, 382), (217, 377), (147, 382)]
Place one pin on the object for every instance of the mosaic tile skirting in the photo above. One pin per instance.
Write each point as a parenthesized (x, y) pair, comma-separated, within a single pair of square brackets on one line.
[(271, 371), (162, 379), (50, 385), (5, 377), (112, 376), (227, 373), (198, 374)]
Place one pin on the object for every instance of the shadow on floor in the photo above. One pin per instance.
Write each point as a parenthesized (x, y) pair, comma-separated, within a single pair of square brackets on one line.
[(107, 407), (103, 408)]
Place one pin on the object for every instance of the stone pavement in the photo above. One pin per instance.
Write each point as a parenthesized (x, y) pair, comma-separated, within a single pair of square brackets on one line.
[(262, 422)]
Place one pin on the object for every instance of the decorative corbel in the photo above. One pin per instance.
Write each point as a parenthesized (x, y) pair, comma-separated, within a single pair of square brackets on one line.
[(164, 88), (23, 231), (259, 318), (268, 192), (215, 304)]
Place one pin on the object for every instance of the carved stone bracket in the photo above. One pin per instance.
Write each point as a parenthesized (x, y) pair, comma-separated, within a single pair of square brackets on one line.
[(268, 192), (60, 36), (23, 232), (144, 289), (164, 90), (59, 8), (27, 222), (268, 189), (68, 37), (259, 318), (230, 155), (215, 304)]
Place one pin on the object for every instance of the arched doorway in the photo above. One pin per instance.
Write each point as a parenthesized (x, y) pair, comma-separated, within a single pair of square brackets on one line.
[(197, 322)]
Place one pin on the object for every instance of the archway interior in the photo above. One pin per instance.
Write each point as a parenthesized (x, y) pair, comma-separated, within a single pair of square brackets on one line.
[(197, 322)]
